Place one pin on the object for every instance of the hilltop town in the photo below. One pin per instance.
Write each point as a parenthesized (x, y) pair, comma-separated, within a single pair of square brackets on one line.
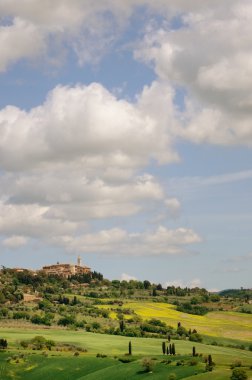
[(65, 270)]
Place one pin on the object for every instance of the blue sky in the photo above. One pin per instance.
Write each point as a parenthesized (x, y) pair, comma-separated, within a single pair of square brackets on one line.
[(125, 137)]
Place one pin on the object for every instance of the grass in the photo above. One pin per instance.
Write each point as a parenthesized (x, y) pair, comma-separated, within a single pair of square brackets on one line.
[(118, 345), (64, 366)]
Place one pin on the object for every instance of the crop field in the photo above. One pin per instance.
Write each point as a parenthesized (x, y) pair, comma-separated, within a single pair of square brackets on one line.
[(231, 325), (65, 366)]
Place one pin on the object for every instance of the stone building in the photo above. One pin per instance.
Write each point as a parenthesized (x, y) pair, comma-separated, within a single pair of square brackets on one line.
[(66, 270)]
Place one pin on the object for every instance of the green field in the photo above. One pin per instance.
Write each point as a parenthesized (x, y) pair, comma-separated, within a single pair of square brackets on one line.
[(64, 366)]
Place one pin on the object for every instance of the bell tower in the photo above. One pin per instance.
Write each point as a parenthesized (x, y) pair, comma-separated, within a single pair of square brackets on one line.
[(79, 261)]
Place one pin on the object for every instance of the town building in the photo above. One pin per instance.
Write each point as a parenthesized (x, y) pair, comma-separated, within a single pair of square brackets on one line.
[(67, 270)]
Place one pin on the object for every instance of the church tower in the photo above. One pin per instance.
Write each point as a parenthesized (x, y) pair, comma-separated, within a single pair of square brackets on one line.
[(79, 261)]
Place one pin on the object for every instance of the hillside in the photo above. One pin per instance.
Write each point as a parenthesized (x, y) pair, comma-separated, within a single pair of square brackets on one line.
[(78, 318)]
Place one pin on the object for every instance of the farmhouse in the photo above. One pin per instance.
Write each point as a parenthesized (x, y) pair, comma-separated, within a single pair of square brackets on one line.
[(67, 270)]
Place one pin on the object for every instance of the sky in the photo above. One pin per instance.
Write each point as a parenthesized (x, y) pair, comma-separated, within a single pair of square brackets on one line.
[(125, 138)]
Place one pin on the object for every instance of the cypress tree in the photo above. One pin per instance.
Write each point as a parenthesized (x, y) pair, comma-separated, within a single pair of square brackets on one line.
[(193, 351), (173, 349), (170, 348), (210, 360), (163, 348), (130, 348), (167, 350), (121, 325)]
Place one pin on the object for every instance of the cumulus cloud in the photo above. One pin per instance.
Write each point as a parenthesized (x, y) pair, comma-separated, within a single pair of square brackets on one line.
[(217, 82), (38, 29), (80, 157), (127, 277), (194, 283), (25, 37), (81, 154), (217, 104), (173, 205), (15, 241), (162, 241), (31, 221), (89, 125)]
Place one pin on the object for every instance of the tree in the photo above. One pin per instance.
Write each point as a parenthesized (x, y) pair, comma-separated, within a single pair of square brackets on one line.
[(146, 284), (3, 344), (121, 325), (173, 349), (130, 348), (210, 360), (163, 348), (167, 350), (239, 374), (193, 351), (170, 348)]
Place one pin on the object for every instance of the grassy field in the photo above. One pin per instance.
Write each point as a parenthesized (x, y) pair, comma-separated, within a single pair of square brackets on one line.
[(64, 366), (231, 325)]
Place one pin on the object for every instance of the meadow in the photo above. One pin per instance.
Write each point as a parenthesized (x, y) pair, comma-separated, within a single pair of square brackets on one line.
[(65, 366)]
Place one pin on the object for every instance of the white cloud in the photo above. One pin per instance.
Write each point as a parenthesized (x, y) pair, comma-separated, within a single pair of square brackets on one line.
[(173, 206), (21, 39), (117, 241), (194, 283), (127, 277), (87, 124), (212, 64), (31, 221), (77, 158), (217, 83), (80, 26), (15, 241)]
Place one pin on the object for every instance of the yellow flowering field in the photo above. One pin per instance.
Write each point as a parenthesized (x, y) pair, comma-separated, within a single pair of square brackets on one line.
[(231, 325)]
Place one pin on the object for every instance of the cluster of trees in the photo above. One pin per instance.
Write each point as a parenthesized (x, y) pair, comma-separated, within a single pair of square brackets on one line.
[(168, 349), (189, 308)]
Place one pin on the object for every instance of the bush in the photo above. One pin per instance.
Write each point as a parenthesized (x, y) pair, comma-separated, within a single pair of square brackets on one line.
[(236, 363), (126, 359), (148, 364), (238, 374), (172, 376), (101, 355), (193, 362), (196, 337)]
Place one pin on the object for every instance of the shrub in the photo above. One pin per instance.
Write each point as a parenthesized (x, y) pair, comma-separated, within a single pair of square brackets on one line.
[(172, 376), (101, 355), (148, 364), (236, 363), (193, 362), (195, 337), (238, 374), (126, 359)]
